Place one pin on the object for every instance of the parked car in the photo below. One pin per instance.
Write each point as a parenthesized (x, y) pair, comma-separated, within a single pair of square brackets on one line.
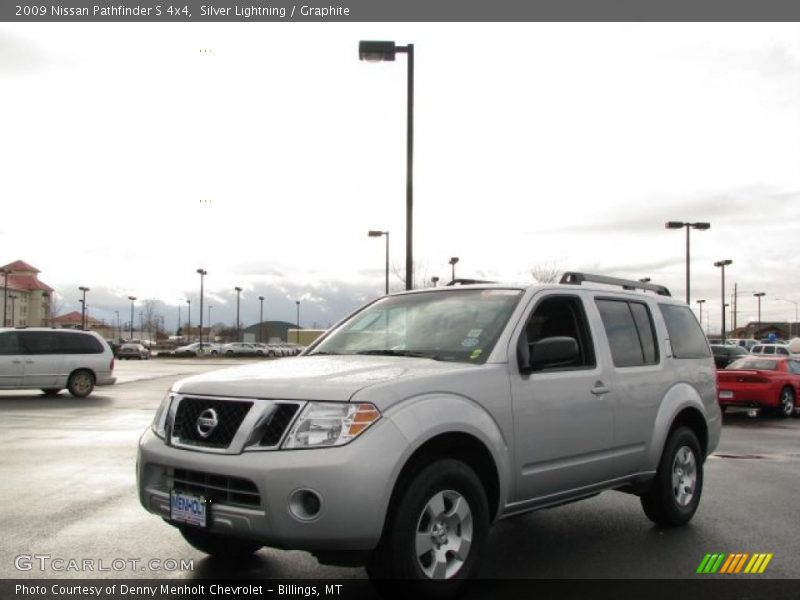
[(770, 349), (241, 349), (399, 436), (761, 382), (54, 359), (746, 343), (724, 355), (195, 350), (267, 349), (137, 351)]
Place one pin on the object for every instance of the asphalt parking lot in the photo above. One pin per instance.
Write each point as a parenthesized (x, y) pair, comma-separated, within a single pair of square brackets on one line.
[(67, 467)]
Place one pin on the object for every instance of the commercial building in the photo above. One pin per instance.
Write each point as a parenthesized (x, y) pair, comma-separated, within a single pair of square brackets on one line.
[(27, 300)]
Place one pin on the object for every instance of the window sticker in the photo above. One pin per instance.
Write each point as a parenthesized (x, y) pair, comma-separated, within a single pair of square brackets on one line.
[(474, 333), (470, 342), (475, 353)]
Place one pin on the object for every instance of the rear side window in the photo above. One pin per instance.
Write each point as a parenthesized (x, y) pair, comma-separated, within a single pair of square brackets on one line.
[(39, 342), (685, 334), (79, 343), (630, 332), (9, 345)]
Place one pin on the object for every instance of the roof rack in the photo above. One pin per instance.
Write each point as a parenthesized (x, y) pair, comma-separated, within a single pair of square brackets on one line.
[(574, 278), (467, 282)]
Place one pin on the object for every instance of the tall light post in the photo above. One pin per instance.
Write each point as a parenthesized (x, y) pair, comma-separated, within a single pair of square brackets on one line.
[(722, 264), (83, 306), (178, 327), (261, 321), (374, 233), (202, 273), (297, 302), (6, 273), (189, 321), (119, 327), (700, 304), (132, 299), (386, 51), (209, 321), (678, 225), (452, 263), (238, 330), (13, 305), (435, 280), (759, 295), (793, 326)]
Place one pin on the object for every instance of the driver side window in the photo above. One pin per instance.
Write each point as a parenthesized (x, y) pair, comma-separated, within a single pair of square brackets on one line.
[(559, 316)]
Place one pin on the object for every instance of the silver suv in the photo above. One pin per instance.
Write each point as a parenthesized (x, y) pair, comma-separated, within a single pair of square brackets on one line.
[(402, 434)]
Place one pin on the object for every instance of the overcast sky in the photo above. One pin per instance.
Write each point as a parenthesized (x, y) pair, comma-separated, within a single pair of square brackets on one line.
[(129, 158)]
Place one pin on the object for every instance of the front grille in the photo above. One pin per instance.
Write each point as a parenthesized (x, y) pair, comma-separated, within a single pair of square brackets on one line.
[(229, 413), (277, 423), (218, 488)]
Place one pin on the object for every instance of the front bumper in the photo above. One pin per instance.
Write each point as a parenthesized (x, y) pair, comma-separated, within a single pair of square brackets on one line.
[(354, 481)]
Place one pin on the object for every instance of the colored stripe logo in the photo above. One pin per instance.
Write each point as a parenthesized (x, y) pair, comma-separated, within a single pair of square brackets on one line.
[(735, 563)]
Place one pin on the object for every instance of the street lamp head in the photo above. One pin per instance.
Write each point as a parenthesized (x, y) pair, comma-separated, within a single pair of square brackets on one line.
[(702, 226), (435, 280), (645, 280), (760, 294), (261, 298), (376, 51), (453, 260), (132, 298), (297, 302), (723, 263), (202, 271), (238, 289), (674, 225), (83, 289), (188, 301), (700, 301), (374, 233)]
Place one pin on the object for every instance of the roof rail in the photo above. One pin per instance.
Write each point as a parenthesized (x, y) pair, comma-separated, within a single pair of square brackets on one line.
[(574, 278), (467, 282)]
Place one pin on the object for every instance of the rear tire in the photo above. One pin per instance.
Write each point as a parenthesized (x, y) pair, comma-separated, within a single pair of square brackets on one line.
[(219, 546), (81, 383), (675, 493), (786, 403), (436, 532)]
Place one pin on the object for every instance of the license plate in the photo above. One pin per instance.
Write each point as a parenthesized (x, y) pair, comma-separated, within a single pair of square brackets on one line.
[(186, 508), (726, 394)]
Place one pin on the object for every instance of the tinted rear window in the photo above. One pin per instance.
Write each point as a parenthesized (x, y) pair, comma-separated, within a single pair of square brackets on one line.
[(8, 343), (629, 330), (79, 343), (685, 334), (760, 364), (52, 342)]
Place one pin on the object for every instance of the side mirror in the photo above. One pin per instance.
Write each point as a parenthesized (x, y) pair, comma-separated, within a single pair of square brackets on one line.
[(552, 352)]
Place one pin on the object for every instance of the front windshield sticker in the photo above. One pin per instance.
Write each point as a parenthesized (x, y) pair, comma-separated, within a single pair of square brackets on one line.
[(474, 333), (475, 353), (470, 342)]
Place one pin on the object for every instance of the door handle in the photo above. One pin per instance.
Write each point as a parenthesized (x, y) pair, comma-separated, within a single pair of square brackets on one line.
[(28, 362), (599, 388), (17, 362)]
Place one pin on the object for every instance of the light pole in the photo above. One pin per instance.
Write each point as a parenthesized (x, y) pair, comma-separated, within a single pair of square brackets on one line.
[(238, 332), (759, 295), (793, 326), (678, 225), (261, 321), (119, 327), (6, 273), (722, 264), (374, 233), (209, 321), (83, 306), (202, 273), (435, 280), (13, 304), (178, 327), (132, 299), (700, 304), (386, 51), (452, 263), (297, 302), (189, 323)]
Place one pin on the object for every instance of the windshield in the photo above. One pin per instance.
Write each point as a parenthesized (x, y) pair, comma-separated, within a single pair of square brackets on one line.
[(453, 325), (760, 364)]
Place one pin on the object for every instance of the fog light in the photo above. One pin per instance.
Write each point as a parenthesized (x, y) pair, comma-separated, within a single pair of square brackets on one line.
[(305, 504)]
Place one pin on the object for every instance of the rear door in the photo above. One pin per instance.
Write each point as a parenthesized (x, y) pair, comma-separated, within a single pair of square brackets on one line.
[(12, 365)]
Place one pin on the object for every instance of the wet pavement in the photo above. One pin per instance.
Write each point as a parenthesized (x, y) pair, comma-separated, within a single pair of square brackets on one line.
[(68, 492)]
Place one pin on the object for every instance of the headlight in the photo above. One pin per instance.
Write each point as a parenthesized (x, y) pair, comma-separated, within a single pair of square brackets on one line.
[(324, 424), (159, 425)]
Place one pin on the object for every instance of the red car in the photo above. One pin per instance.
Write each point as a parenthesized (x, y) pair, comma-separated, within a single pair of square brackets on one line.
[(760, 382)]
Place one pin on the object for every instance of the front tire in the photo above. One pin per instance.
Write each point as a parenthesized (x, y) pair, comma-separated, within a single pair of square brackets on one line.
[(219, 546), (437, 530), (81, 383), (674, 495), (786, 403)]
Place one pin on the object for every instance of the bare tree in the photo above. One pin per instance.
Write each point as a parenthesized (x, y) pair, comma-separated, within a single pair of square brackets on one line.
[(151, 319), (545, 273), (419, 272)]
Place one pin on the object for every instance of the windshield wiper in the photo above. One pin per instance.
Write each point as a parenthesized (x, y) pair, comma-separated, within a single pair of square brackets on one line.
[(411, 353)]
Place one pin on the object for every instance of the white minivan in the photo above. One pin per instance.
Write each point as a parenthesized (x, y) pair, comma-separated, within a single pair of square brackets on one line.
[(54, 359)]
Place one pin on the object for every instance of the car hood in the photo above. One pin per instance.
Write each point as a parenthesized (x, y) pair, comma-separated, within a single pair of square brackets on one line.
[(332, 378)]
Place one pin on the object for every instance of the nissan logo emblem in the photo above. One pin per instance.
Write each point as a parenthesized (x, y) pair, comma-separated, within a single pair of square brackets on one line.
[(207, 422)]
